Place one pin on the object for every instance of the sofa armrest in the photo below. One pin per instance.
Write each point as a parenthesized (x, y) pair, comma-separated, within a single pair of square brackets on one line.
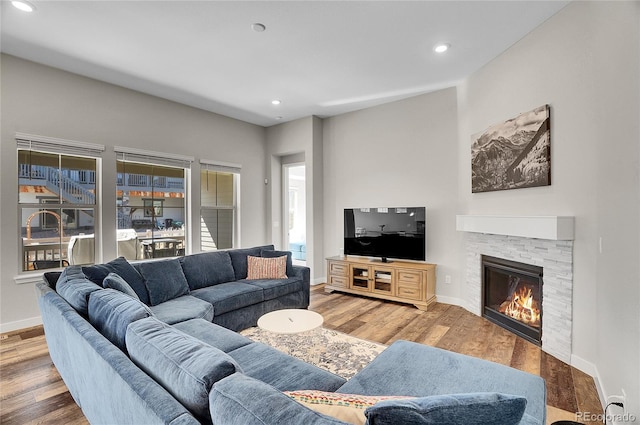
[(445, 372), (304, 273)]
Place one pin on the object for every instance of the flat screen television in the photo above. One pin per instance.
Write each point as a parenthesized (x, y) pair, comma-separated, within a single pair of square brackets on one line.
[(384, 233)]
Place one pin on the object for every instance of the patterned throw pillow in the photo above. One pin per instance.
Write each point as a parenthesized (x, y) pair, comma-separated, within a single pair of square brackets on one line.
[(346, 407), (267, 268)]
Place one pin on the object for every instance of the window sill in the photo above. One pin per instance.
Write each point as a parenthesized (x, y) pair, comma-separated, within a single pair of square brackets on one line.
[(28, 278)]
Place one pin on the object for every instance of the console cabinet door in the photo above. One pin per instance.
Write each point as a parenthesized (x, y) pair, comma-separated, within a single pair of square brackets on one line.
[(360, 278), (383, 282)]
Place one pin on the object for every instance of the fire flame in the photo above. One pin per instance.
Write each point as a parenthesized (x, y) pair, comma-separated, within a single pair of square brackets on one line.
[(523, 307)]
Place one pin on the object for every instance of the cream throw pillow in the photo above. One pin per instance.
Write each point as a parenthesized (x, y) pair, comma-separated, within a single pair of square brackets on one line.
[(266, 268), (346, 407)]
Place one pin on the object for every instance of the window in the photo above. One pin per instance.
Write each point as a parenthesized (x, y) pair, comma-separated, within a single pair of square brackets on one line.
[(151, 194), (219, 225), (57, 201)]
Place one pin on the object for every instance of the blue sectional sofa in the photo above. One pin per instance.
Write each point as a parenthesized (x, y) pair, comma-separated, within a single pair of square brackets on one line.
[(135, 357)]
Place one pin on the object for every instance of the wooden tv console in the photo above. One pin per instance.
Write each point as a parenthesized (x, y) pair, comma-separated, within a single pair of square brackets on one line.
[(401, 281)]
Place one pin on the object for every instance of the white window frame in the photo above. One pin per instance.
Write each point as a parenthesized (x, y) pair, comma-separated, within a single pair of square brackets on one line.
[(127, 154), (56, 146)]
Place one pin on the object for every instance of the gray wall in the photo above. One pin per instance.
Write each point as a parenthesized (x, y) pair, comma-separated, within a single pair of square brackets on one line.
[(40, 100), (399, 154), (583, 62), (300, 137)]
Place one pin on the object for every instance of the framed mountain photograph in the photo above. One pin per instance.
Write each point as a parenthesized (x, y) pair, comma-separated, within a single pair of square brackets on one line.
[(513, 154)]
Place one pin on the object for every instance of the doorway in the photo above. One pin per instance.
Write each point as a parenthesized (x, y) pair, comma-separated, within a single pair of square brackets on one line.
[(294, 212)]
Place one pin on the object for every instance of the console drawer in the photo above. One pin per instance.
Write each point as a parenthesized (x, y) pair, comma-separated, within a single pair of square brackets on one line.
[(410, 292), (409, 278), (338, 269), (341, 281)]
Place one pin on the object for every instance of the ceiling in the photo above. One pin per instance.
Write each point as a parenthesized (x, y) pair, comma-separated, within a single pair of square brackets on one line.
[(318, 57)]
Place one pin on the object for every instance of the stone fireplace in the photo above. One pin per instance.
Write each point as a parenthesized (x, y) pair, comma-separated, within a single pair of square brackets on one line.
[(545, 244)]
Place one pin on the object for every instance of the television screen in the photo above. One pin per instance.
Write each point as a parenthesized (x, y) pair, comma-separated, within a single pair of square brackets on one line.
[(385, 232)]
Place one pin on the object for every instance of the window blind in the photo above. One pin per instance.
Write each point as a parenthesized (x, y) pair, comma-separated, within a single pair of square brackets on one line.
[(57, 146), (150, 157), (222, 167)]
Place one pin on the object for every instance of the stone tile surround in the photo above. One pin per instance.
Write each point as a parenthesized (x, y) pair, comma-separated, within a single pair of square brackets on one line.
[(556, 259)]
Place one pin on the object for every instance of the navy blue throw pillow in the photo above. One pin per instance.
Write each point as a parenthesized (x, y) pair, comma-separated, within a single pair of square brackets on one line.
[(121, 267), (165, 280)]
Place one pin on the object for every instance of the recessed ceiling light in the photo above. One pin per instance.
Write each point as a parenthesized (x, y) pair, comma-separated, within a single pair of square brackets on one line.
[(275, 102), (23, 5), (258, 27), (441, 48)]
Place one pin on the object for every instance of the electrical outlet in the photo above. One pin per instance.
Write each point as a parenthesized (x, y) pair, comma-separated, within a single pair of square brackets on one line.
[(447, 279)]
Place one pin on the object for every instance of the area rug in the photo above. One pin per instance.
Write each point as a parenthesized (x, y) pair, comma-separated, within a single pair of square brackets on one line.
[(330, 350)]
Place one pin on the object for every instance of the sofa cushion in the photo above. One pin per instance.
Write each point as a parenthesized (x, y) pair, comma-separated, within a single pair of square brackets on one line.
[(270, 253), (208, 268), (75, 288), (111, 311), (346, 407), (183, 365), (114, 281), (230, 296), (266, 268), (453, 409), (274, 288), (183, 308), (239, 259), (121, 266), (282, 371), (240, 400), (164, 280), (214, 335)]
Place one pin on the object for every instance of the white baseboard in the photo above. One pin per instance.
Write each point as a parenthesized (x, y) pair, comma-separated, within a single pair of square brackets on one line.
[(20, 324), (591, 370), (450, 300)]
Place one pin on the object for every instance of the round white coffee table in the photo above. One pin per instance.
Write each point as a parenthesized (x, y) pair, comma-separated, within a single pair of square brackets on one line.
[(290, 321)]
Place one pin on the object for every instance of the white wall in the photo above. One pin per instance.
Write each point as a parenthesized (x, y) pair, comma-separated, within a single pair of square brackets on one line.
[(583, 62), (40, 100), (403, 153)]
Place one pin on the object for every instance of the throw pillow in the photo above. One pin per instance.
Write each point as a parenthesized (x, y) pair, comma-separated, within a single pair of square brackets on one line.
[(239, 259), (346, 407), (164, 280), (266, 268), (114, 281), (452, 409), (121, 266), (270, 253)]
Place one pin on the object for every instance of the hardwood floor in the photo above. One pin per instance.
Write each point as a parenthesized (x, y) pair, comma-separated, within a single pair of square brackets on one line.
[(32, 392)]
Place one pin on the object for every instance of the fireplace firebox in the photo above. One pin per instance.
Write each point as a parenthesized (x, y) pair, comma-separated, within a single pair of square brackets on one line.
[(512, 296)]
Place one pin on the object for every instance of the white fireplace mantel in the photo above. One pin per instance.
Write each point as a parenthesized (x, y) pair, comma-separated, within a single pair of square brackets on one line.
[(557, 228)]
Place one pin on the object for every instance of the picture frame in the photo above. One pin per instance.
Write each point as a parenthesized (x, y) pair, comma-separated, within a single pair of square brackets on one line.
[(513, 154)]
